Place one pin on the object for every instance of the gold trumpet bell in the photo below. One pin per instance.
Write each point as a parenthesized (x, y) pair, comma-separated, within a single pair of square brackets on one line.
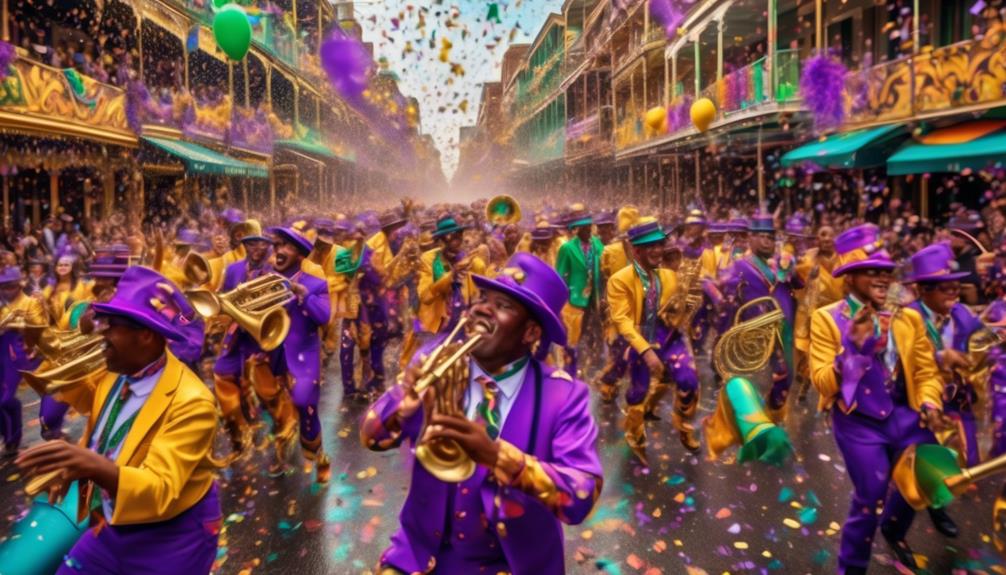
[(71, 358), (503, 210), (256, 305), (196, 269)]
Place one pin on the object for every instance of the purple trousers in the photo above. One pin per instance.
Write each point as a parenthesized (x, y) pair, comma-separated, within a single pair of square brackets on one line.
[(870, 448), (679, 368), (185, 544), (617, 362), (50, 414), (997, 384), (11, 426)]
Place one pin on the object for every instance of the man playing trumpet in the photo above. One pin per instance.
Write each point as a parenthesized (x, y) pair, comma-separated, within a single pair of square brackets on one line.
[(524, 434)]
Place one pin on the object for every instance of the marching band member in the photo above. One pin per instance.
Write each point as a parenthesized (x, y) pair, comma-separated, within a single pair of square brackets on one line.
[(616, 254), (578, 263), (233, 221), (875, 371), (525, 425), (815, 269), (239, 348), (542, 245), (445, 285), (298, 358), (16, 347), (144, 461), (637, 296), (692, 239), (763, 273), (353, 267)]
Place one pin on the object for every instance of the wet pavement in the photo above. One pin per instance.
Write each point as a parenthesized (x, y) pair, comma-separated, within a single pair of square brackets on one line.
[(685, 515)]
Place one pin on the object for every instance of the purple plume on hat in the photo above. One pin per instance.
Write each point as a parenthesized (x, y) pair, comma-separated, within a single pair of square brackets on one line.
[(934, 263), (293, 236), (11, 274), (860, 248), (144, 296), (539, 288)]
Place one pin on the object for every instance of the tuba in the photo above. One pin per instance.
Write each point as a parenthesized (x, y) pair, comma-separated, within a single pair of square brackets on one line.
[(446, 369), (256, 306), (503, 210), (746, 348), (197, 269)]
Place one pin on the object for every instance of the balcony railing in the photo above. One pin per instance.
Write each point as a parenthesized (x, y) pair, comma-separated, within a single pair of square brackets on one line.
[(64, 100), (966, 74), (589, 135)]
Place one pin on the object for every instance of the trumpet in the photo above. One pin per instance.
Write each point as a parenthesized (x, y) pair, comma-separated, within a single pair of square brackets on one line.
[(197, 269), (256, 306), (447, 370), (71, 356), (746, 348)]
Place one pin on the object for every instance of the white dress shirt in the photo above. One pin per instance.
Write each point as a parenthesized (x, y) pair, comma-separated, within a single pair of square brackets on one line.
[(508, 389)]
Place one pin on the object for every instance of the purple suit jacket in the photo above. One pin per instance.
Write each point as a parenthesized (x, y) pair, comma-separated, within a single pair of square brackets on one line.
[(302, 347), (565, 444), (745, 283)]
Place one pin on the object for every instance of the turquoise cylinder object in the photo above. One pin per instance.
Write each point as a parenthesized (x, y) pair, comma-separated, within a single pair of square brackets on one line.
[(38, 542)]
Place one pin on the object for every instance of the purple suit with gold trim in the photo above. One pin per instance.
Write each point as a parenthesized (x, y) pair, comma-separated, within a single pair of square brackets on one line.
[(559, 483)]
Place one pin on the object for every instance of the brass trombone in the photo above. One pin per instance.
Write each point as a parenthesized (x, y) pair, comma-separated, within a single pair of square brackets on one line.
[(256, 305)]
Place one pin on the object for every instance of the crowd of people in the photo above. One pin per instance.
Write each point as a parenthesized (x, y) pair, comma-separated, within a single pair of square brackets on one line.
[(502, 310)]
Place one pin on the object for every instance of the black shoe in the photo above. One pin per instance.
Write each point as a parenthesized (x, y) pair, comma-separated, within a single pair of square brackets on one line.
[(854, 571), (651, 416), (902, 552), (944, 523)]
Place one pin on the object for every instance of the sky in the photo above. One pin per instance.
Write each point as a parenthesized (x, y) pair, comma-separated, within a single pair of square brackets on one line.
[(448, 91)]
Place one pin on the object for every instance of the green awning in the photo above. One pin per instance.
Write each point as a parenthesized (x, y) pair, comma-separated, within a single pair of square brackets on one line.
[(867, 148), (200, 160), (972, 145)]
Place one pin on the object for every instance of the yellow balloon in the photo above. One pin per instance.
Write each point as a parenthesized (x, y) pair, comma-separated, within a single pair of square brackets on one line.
[(703, 113), (655, 117)]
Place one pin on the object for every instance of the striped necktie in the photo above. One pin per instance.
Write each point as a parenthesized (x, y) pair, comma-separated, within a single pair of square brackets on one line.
[(488, 409)]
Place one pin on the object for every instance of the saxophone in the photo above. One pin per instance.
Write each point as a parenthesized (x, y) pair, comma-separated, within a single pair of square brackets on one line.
[(680, 309)]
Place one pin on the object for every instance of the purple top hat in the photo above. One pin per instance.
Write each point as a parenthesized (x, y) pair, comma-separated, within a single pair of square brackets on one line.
[(718, 228), (110, 262), (932, 264), (761, 223), (294, 237), (738, 225), (797, 226), (186, 237), (860, 248), (646, 231), (538, 287), (971, 222), (696, 216), (11, 274), (232, 216), (144, 296), (605, 219)]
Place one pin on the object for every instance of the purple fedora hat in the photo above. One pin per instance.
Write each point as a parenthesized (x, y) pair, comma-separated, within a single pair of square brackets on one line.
[(646, 231), (294, 237), (860, 248), (933, 263), (543, 232), (143, 296), (605, 219), (232, 216), (761, 222), (536, 285), (186, 237), (10, 274), (797, 226)]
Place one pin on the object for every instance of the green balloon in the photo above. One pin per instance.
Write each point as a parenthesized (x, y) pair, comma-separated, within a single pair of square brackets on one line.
[(221, 3), (232, 31)]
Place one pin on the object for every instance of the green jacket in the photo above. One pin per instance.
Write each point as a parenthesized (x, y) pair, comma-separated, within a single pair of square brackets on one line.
[(571, 264)]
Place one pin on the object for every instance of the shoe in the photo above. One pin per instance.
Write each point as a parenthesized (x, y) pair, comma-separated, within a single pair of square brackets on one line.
[(10, 450), (608, 393), (651, 416), (854, 571), (689, 439), (943, 522), (323, 469), (902, 552)]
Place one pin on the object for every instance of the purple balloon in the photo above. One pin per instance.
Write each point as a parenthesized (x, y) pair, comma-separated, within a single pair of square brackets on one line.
[(347, 64)]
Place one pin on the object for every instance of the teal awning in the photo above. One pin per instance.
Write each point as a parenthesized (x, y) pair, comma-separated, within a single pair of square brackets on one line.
[(308, 147), (867, 148), (200, 160), (974, 145)]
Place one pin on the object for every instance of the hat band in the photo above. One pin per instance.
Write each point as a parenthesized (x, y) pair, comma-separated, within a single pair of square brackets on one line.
[(650, 237)]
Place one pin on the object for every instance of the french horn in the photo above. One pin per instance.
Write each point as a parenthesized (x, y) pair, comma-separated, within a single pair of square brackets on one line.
[(256, 305), (746, 348)]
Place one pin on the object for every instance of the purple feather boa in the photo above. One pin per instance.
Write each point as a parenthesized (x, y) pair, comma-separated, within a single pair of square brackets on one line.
[(822, 86), (7, 56)]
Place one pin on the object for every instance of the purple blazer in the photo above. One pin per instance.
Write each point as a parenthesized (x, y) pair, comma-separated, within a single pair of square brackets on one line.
[(565, 444), (302, 347), (965, 323), (746, 282)]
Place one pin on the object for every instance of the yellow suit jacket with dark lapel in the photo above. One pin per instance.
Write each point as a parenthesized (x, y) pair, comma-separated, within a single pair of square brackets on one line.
[(625, 302), (165, 462), (435, 295)]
